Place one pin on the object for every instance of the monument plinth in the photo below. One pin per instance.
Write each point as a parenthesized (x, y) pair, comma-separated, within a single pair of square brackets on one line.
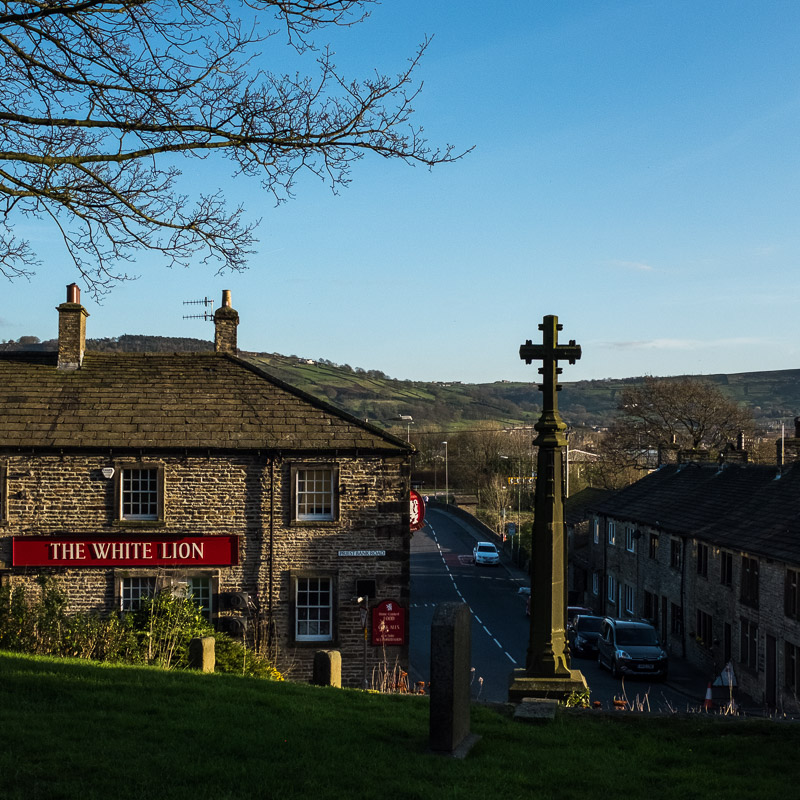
[(548, 672)]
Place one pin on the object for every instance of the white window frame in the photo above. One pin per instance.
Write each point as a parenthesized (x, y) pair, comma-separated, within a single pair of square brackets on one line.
[(134, 590), (308, 614), (630, 600), (611, 589), (596, 530), (595, 583), (315, 492), (200, 590), (138, 491), (612, 532), (630, 538)]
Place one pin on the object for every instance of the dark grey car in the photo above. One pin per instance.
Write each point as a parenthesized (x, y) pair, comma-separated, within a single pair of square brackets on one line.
[(583, 634), (628, 647)]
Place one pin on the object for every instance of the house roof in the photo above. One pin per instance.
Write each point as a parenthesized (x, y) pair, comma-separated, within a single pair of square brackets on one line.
[(209, 401), (577, 507), (750, 508)]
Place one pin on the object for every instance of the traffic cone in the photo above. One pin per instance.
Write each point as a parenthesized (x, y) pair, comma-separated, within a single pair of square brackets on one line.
[(708, 705)]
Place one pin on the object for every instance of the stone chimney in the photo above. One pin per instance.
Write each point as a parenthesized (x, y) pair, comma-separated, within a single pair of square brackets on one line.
[(788, 448), (71, 330), (225, 321)]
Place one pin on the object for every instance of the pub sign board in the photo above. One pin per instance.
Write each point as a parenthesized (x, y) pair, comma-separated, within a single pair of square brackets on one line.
[(417, 511), (105, 551), (389, 624)]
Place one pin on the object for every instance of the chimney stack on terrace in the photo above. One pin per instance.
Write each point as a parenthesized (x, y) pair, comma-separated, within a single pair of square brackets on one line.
[(225, 321), (71, 330)]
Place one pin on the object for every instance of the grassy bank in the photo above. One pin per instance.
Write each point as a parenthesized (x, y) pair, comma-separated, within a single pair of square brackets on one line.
[(73, 729)]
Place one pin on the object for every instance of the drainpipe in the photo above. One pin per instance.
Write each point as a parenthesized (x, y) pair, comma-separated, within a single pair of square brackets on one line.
[(271, 623)]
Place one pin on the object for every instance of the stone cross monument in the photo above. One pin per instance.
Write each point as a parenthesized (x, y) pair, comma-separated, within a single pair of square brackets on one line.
[(547, 670)]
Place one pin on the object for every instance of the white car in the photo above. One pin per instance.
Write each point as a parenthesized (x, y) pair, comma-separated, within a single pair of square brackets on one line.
[(486, 553)]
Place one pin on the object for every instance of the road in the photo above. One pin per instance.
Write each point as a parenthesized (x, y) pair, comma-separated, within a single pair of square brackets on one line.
[(442, 570)]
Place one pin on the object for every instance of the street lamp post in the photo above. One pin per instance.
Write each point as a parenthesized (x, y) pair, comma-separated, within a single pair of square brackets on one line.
[(446, 477)]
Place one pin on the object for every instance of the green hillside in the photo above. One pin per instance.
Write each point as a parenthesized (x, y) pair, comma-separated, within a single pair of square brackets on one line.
[(774, 397)]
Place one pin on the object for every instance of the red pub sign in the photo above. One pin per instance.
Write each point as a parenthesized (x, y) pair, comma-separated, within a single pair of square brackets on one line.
[(103, 551), (389, 623)]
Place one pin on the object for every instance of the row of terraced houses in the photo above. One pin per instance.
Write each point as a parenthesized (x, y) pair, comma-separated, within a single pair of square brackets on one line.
[(710, 554)]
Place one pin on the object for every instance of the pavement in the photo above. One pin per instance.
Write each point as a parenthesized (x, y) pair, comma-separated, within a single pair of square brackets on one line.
[(684, 677)]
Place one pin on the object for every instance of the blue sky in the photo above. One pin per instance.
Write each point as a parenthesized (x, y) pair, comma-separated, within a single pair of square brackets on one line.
[(636, 172)]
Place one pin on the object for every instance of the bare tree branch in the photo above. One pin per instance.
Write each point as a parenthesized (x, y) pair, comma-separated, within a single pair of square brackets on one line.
[(100, 97)]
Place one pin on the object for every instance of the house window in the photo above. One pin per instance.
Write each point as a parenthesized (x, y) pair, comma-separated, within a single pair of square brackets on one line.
[(704, 631), (612, 533), (653, 553), (596, 531), (748, 650), (726, 568), (315, 494), (702, 559), (750, 581), (612, 589), (791, 667), (675, 554), (313, 609), (676, 620), (630, 539), (792, 594), (141, 491), (199, 590), (630, 600), (134, 591), (595, 583), (651, 606)]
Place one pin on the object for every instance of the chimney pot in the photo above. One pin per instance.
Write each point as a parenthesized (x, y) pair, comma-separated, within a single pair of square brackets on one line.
[(226, 298), (73, 293)]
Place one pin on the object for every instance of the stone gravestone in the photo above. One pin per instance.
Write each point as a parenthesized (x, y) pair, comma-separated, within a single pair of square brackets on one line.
[(327, 668), (202, 654), (450, 680), (548, 672)]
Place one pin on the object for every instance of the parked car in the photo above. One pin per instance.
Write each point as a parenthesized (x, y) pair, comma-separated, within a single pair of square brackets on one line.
[(574, 611), (486, 553), (583, 633), (628, 647)]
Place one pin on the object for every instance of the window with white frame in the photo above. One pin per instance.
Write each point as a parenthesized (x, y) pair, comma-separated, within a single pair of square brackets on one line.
[(140, 493), (199, 590), (630, 600), (630, 539), (596, 530), (134, 591), (612, 532), (313, 609), (314, 493), (612, 589), (595, 583)]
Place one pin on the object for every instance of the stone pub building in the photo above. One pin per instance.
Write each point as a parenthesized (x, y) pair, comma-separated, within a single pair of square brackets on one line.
[(121, 473)]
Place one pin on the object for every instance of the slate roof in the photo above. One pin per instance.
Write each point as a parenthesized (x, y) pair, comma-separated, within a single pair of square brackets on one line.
[(749, 508), (165, 401)]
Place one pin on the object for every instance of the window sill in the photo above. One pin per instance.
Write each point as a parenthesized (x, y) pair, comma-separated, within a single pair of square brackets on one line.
[(139, 523), (315, 523)]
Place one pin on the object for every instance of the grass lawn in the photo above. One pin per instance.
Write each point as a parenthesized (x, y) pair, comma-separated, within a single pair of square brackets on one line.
[(71, 729)]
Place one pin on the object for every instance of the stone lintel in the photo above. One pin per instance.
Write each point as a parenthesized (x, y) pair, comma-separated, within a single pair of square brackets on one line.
[(522, 686)]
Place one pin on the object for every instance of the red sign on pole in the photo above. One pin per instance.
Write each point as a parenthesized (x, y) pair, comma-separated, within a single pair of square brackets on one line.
[(103, 551), (389, 623), (417, 511)]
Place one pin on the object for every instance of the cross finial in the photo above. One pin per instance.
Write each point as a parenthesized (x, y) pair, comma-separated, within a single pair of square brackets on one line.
[(550, 352)]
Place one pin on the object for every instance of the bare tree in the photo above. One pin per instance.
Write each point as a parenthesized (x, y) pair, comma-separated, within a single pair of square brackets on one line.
[(101, 97), (680, 413)]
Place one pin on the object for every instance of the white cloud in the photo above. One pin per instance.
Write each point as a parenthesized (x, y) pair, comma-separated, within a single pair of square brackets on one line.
[(685, 344), (639, 266)]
